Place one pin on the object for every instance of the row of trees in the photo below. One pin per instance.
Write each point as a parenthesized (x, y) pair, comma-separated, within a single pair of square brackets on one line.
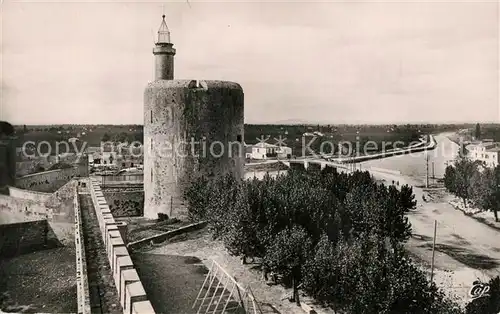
[(339, 237), (475, 184)]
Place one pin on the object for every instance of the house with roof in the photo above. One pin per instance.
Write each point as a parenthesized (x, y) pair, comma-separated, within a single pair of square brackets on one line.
[(264, 151), (486, 151)]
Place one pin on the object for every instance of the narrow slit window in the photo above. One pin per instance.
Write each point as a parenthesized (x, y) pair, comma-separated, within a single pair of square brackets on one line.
[(151, 174), (151, 115), (151, 144)]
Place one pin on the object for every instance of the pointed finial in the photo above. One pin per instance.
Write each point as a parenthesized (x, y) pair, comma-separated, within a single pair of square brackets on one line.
[(163, 32)]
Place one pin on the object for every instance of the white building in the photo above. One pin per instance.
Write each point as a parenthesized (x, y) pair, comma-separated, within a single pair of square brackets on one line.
[(486, 151), (266, 151)]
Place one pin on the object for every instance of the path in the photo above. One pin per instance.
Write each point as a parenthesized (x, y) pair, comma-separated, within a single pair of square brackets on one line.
[(103, 294)]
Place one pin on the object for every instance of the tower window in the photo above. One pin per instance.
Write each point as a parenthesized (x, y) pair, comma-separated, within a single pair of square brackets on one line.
[(151, 115), (151, 144), (151, 174)]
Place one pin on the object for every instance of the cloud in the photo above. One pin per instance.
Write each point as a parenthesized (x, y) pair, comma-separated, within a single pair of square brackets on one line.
[(373, 62)]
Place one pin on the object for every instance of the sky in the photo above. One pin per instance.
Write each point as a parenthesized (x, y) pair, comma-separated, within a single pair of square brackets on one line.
[(318, 62)]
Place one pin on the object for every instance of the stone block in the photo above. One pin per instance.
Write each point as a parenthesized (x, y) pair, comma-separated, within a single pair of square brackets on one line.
[(113, 244), (108, 228), (112, 234), (122, 227), (142, 307), (128, 276), (134, 292), (117, 253)]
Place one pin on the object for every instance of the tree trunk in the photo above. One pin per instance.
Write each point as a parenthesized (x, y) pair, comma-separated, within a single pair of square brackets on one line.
[(465, 201), (295, 296), (296, 292), (495, 212)]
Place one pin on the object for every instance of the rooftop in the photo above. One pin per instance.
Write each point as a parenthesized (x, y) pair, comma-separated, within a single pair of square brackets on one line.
[(163, 33)]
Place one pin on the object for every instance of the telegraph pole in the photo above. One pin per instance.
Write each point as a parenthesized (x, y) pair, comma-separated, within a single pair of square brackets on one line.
[(426, 170), (433, 250)]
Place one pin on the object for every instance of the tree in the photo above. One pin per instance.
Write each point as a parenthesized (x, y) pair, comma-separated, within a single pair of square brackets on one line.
[(449, 179), (464, 170), (326, 231), (288, 253), (106, 137), (495, 193), (478, 132)]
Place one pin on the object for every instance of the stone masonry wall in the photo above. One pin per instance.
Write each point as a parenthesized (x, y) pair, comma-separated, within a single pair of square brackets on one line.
[(209, 114), (47, 181), (57, 208), (24, 237)]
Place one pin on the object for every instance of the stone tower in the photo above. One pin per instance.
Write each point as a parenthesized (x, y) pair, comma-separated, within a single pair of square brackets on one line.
[(164, 54), (192, 128)]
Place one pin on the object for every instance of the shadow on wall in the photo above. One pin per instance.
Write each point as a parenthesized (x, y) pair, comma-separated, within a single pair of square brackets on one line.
[(26, 237)]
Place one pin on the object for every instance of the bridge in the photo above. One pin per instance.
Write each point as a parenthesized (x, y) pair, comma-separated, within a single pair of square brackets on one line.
[(343, 163)]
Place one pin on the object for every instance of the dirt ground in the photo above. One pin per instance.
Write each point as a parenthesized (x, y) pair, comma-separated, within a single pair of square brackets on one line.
[(39, 282), (199, 244), (139, 228)]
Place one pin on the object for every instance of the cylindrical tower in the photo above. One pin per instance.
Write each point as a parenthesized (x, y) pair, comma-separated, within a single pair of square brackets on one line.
[(192, 128), (164, 54)]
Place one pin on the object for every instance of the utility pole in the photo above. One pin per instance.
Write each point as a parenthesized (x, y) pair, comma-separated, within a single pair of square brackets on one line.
[(433, 250), (171, 205), (426, 170)]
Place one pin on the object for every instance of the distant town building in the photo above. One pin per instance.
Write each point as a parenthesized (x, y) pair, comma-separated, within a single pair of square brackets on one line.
[(485, 151), (265, 151)]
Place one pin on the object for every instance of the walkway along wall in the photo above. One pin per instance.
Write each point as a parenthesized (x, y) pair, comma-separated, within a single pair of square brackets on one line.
[(82, 283), (130, 289)]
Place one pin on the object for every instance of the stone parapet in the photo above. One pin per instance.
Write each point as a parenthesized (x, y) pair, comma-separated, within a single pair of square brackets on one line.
[(133, 297)]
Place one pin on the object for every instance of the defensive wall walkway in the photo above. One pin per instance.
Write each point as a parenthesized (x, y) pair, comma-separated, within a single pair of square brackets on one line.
[(111, 244)]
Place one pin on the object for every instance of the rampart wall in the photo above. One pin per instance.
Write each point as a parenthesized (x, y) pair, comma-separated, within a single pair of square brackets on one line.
[(23, 237), (47, 181), (58, 208), (130, 289), (29, 195)]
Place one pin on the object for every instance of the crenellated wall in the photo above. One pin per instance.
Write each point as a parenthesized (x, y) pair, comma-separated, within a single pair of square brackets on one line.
[(130, 289)]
